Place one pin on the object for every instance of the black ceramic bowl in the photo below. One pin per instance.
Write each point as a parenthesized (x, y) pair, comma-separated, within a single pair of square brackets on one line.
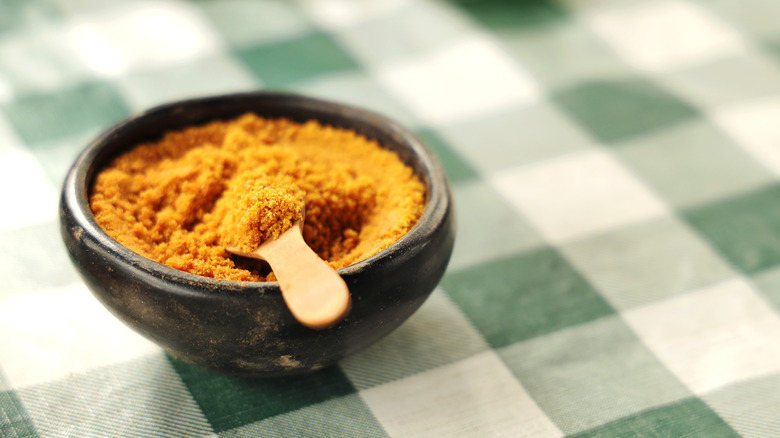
[(244, 327)]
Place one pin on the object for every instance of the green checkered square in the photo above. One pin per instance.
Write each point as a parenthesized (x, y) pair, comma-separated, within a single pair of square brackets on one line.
[(500, 140), (646, 262), (49, 117), (357, 88), (774, 48), (671, 161), (284, 63), (147, 88), (488, 227), (622, 108), (247, 23), (745, 229), (229, 402), (689, 418), (457, 168), (501, 14), (341, 417), (14, 420), (524, 296), (19, 14), (768, 283), (723, 81), (592, 374)]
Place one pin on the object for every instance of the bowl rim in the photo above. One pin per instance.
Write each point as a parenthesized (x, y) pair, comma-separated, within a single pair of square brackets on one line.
[(75, 200)]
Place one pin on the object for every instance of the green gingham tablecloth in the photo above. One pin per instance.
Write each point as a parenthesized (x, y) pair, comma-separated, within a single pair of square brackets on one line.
[(615, 166)]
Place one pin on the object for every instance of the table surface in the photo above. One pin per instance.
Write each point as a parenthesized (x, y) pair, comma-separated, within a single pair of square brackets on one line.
[(615, 166)]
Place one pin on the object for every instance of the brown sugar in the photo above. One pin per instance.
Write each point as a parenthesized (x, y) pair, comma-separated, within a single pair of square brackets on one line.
[(181, 200)]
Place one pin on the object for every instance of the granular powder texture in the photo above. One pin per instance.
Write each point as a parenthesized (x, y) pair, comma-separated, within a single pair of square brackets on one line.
[(257, 207), (181, 200)]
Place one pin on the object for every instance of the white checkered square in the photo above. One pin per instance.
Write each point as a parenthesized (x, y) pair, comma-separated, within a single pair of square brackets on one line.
[(121, 39), (646, 262), (477, 396), (578, 194), (586, 5), (6, 91), (25, 191), (471, 76), (54, 334), (43, 60), (754, 125), (202, 77), (712, 337), (661, 36), (337, 14)]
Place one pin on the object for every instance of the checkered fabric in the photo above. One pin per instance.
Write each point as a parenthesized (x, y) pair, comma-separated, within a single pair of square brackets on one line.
[(615, 166)]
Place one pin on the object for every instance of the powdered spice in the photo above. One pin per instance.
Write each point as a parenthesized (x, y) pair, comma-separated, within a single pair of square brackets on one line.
[(181, 200)]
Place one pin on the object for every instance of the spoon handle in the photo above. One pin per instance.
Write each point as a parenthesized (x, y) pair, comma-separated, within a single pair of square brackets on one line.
[(314, 292)]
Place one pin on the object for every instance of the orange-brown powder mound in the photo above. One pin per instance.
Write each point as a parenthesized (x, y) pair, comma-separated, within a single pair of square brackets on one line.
[(181, 200), (257, 207)]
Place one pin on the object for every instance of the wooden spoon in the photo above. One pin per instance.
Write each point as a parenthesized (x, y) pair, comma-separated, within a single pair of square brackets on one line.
[(314, 292)]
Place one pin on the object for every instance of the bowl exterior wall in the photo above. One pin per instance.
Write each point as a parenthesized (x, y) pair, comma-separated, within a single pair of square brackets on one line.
[(245, 328), (255, 334)]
